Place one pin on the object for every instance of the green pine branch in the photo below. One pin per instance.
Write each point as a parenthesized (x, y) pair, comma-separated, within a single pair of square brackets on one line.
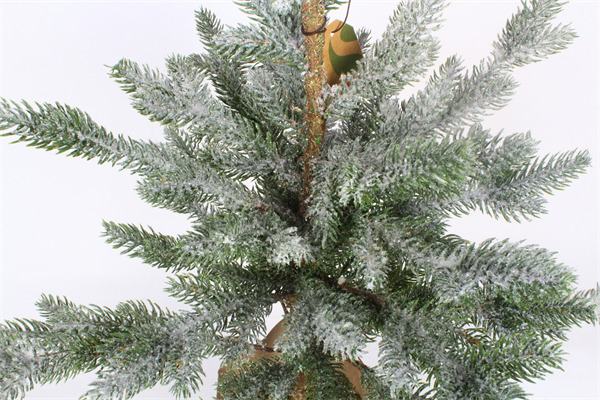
[(161, 251), (66, 129), (133, 347), (512, 191), (177, 99)]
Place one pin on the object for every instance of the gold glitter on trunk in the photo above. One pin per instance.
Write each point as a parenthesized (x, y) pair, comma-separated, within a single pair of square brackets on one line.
[(313, 16)]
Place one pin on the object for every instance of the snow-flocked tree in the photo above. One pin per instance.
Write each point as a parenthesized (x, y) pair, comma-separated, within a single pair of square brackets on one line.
[(352, 240)]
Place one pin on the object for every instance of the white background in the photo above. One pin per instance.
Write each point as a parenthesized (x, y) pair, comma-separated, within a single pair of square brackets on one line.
[(52, 206)]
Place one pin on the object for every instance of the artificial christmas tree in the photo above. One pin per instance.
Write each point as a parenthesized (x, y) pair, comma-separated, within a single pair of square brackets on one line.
[(401, 278)]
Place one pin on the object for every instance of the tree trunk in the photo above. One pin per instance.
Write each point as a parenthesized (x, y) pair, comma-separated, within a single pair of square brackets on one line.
[(313, 18)]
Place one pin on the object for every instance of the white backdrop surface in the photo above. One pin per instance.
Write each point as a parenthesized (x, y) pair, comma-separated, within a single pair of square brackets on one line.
[(52, 206)]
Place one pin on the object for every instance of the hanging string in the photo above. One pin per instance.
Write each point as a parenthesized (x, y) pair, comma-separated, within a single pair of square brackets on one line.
[(323, 27), (345, 19)]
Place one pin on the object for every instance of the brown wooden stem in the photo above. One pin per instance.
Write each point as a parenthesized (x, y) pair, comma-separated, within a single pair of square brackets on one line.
[(266, 349), (375, 298), (313, 16)]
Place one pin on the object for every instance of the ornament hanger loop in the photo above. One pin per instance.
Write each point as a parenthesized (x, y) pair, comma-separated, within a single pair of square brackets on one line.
[(322, 28)]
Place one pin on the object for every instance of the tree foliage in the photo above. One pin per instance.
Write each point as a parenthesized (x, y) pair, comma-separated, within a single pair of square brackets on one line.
[(369, 260)]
